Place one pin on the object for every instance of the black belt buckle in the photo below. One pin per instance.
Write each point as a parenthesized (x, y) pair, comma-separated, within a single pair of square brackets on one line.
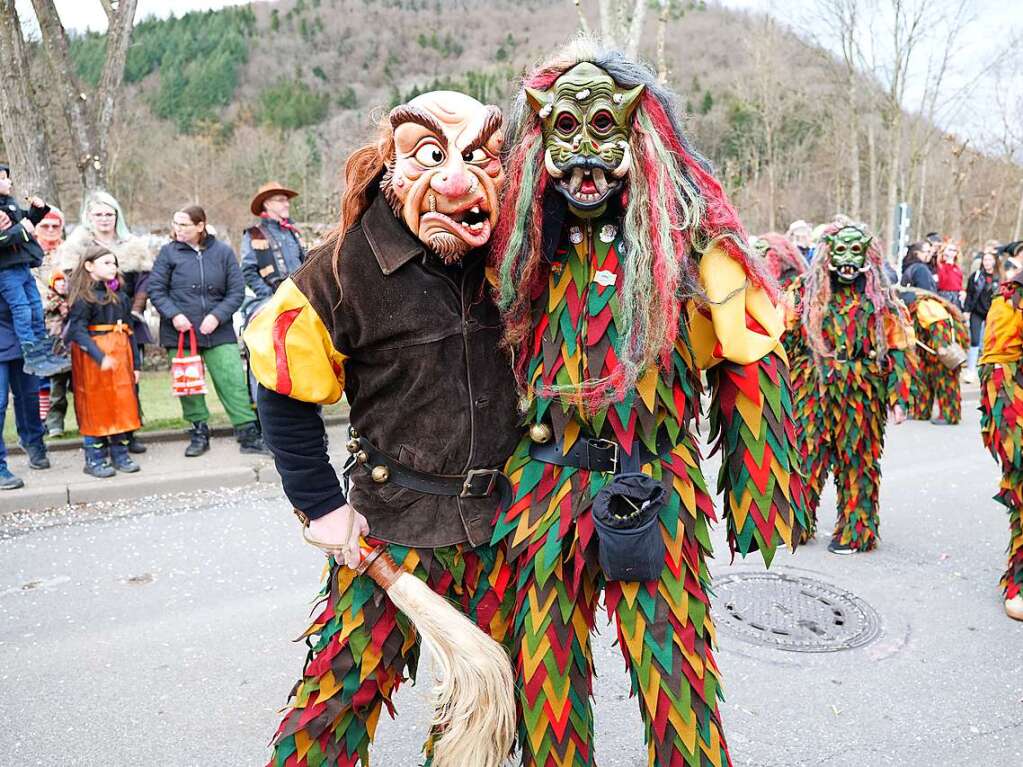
[(602, 444), (469, 486)]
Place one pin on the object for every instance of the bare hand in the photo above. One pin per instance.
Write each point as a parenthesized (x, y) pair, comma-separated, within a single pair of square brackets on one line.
[(36, 202), (898, 414), (344, 527), (181, 323), (108, 363), (5, 221), (209, 324), (137, 373)]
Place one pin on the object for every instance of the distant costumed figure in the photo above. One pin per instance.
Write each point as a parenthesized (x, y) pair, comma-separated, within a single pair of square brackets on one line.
[(624, 272), (941, 342), (1001, 422), (783, 259), (850, 343)]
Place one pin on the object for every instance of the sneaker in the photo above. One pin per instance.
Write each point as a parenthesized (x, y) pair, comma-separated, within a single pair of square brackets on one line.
[(37, 458), (125, 464), (939, 421), (250, 441), (842, 548), (8, 481), (1014, 607), (55, 433), (135, 446), (99, 470)]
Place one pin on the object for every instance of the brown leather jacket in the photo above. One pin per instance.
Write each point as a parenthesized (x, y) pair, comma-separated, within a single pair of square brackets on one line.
[(418, 347)]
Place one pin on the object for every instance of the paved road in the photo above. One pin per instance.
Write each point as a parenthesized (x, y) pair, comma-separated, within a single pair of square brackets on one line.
[(157, 633)]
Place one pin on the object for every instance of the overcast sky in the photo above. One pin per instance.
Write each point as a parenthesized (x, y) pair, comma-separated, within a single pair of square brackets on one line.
[(996, 21)]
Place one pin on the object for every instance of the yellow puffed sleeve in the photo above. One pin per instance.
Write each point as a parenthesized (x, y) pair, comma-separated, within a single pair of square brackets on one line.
[(739, 322), (291, 352), (929, 311)]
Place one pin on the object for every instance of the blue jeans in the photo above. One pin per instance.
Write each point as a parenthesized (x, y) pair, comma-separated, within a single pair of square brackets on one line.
[(18, 289), (25, 388)]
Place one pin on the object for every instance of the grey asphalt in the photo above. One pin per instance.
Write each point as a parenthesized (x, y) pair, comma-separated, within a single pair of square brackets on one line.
[(157, 632)]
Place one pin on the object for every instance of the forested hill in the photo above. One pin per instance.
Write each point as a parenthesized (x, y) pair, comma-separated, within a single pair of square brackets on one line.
[(219, 101)]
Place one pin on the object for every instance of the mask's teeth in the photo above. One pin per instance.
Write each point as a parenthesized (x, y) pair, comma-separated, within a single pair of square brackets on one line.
[(576, 181), (599, 180)]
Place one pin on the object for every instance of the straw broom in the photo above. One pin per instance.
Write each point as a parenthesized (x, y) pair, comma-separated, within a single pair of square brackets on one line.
[(474, 692)]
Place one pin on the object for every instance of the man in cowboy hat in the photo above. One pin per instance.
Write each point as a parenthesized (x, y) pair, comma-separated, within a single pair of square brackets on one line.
[(272, 249)]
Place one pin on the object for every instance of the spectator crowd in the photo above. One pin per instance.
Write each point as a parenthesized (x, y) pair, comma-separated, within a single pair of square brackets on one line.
[(77, 313)]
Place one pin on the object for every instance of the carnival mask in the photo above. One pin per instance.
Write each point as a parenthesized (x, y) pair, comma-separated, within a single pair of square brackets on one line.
[(586, 129), (847, 250), (446, 174)]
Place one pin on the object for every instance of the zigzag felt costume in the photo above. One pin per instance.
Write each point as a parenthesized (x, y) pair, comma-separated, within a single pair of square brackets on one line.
[(850, 345), (1001, 422), (394, 311), (635, 277), (937, 322)]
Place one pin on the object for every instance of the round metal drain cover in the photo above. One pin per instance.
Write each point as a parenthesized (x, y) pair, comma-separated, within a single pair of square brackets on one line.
[(793, 613)]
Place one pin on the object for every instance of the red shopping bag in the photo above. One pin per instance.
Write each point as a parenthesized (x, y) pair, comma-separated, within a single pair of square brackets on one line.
[(188, 374)]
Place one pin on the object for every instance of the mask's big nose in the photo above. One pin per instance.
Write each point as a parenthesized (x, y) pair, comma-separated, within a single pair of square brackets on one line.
[(451, 184)]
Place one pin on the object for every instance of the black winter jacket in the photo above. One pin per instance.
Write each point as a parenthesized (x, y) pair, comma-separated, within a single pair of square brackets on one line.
[(919, 275), (980, 291), (17, 246), (184, 281)]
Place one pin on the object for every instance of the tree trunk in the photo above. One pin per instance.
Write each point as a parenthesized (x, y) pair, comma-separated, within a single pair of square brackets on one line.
[(635, 28), (872, 178), (73, 97), (894, 168), (855, 193), (662, 31), (118, 37), (1019, 216), (920, 206), (23, 134)]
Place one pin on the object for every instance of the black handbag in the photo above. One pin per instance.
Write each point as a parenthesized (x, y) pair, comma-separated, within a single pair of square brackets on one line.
[(626, 513)]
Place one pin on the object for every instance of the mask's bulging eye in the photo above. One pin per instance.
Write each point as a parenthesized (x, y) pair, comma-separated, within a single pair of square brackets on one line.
[(429, 155), (475, 156), (840, 249), (856, 248), (602, 122), (566, 123)]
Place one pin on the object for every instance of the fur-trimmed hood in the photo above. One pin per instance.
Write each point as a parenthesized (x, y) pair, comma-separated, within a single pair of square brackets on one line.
[(133, 254)]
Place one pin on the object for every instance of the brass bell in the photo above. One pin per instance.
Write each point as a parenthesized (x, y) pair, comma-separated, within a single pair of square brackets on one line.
[(353, 446), (381, 474), (361, 456), (353, 434), (540, 433)]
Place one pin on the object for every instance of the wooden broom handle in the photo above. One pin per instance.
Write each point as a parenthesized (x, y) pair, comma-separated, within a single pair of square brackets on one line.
[(379, 565)]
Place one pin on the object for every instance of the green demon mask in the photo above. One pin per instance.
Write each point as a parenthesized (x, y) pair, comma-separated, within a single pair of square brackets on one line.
[(585, 118), (848, 253)]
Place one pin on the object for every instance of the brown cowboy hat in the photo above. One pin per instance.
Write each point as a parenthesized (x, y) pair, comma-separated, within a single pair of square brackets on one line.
[(269, 189)]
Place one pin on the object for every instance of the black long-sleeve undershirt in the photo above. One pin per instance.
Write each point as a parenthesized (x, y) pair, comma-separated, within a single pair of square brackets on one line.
[(296, 434)]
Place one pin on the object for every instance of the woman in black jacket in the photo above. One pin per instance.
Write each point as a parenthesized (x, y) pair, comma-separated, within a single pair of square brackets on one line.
[(916, 268), (196, 285), (980, 290)]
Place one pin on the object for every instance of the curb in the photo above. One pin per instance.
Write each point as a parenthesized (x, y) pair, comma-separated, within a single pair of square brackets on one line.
[(125, 488), (158, 435)]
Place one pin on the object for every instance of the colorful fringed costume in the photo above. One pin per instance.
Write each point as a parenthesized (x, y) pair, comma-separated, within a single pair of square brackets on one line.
[(394, 311), (849, 342), (937, 323), (635, 277), (783, 259), (1001, 423)]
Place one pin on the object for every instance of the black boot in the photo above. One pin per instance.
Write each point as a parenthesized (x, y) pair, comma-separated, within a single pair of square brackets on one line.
[(250, 440), (135, 445), (120, 458), (199, 441), (96, 464)]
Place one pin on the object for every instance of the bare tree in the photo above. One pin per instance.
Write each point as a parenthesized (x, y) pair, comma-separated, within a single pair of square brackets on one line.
[(88, 124), (22, 127)]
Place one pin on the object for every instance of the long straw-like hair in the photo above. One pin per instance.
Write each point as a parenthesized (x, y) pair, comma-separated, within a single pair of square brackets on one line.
[(782, 255), (876, 287), (675, 210)]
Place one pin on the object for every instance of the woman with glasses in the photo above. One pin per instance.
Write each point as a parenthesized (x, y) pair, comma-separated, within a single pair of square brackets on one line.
[(102, 223), (197, 286)]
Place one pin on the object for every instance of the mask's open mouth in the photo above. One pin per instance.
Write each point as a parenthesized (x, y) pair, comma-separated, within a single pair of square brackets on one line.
[(588, 187), (471, 223), (847, 272)]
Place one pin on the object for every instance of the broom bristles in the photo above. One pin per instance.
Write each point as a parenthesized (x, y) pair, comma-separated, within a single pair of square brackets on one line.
[(474, 694)]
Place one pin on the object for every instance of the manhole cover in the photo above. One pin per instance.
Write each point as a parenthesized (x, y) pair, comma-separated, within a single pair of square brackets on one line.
[(789, 612)]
